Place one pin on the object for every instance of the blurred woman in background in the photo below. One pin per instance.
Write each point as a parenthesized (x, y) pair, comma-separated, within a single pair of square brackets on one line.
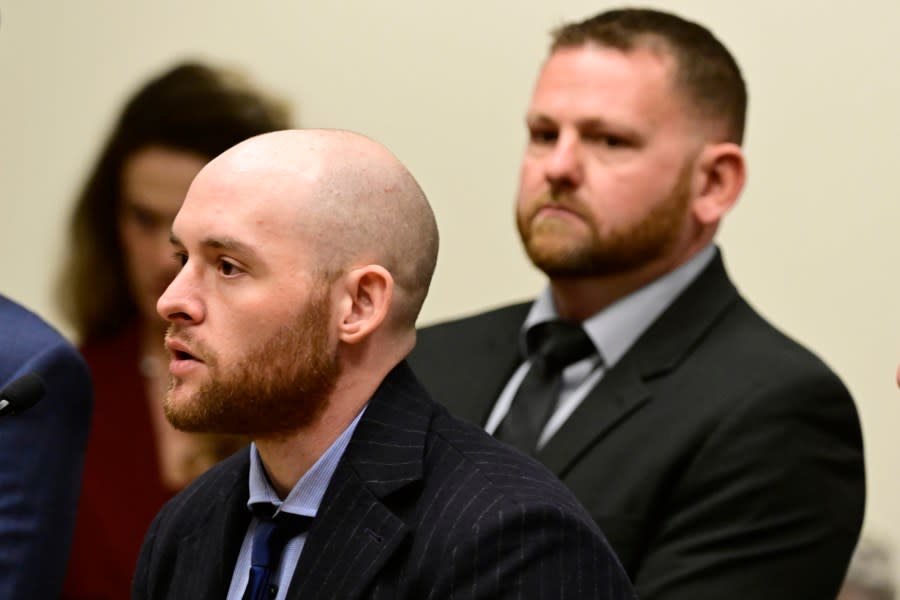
[(120, 262)]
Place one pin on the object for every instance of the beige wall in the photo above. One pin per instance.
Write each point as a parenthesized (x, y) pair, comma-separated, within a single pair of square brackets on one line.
[(813, 242)]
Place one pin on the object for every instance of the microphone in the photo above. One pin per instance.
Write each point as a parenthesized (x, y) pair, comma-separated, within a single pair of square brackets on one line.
[(21, 394)]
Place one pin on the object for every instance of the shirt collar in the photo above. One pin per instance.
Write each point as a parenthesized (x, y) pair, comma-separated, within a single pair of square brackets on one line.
[(615, 328), (306, 495)]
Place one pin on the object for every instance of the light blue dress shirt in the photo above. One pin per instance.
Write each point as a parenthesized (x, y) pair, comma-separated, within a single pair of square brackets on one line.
[(613, 330), (303, 499)]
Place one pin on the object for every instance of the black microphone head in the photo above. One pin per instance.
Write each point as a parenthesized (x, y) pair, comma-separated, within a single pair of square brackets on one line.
[(21, 394)]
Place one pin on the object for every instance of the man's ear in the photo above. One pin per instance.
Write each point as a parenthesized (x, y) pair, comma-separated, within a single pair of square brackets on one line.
[(722, 172), (367, 296)]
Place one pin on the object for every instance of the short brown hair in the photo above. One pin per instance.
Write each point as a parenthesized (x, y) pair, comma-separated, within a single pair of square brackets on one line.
[(705, 70), (191, 107)]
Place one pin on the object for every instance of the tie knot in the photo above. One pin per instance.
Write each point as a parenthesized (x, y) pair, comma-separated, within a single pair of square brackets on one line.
[(556, 344), (274, 530)]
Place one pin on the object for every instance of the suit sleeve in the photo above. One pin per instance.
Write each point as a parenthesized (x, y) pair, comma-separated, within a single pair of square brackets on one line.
[(40, 476), (771, 506), (532, 552)]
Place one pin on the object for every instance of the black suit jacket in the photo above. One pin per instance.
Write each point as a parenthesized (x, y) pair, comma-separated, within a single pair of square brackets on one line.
[(720, 458), (420, 506)]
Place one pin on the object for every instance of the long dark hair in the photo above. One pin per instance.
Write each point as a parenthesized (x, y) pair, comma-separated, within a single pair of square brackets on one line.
[(192, 108)]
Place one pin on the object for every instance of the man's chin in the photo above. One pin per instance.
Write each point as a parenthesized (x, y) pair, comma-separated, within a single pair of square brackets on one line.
[(556, 258), (177, 405), (179, 391), (189, 422)]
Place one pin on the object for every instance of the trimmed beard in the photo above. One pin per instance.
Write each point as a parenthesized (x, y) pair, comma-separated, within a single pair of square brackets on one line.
[(619, 251), (278, 387)]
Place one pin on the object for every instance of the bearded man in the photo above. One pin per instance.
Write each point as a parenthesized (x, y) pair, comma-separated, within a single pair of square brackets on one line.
[(720, 458), (306, 256)]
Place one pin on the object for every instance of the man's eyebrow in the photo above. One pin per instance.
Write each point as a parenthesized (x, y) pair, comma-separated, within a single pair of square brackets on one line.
[(537, 118), (226, 243), (219, 243)]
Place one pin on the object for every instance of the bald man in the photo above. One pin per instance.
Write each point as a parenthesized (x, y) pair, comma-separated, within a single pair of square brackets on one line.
[(306, 256)]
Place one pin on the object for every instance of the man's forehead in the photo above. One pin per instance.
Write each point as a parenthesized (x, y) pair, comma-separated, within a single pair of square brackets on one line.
[(591, 77), (235, 216), (256, 193), (606, 63), (236, 186)]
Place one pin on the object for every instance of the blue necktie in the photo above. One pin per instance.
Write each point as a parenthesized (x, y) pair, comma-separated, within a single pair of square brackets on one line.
[(269, 538)]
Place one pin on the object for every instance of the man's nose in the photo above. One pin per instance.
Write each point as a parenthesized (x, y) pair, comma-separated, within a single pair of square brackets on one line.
[(182, 300), (564, 166)]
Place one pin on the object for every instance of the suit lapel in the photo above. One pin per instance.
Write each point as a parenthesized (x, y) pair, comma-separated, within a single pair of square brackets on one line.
[(623, 388), (617, 395), (351, 539), (208, 556), (358, 527)]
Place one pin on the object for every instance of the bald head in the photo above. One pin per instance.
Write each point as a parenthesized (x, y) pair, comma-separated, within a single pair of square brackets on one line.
[(346, 196)]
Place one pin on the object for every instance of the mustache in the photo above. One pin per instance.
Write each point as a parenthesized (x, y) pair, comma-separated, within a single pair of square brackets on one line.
[(198, 349), (560, 199)]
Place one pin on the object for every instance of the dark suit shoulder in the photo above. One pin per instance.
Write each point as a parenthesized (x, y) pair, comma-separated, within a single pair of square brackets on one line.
[(754, 423), (464, 363), (500, 472), (189, 509), (755, 354), (501, 523), (481, 325), (25, 329), (206, 519), (28, 339)]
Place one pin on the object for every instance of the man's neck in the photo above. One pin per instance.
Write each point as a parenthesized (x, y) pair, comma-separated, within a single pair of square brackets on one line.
[(577, 299), (287, 457)]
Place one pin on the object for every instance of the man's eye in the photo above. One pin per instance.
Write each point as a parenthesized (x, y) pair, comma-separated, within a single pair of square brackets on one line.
[(543, 136), (228, 269), (181, 257), (606, 139)]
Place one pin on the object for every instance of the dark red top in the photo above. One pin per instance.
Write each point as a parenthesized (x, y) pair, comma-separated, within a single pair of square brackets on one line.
[(121, 490)]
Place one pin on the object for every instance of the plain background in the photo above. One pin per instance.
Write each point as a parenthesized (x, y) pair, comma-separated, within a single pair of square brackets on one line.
[(812, 242)]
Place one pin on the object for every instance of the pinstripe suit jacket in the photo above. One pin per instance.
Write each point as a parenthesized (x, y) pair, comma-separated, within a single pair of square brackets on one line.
[(420, 506)]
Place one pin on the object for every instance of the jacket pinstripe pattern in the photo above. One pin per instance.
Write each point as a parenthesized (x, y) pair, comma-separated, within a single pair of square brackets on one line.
[(422, 506)]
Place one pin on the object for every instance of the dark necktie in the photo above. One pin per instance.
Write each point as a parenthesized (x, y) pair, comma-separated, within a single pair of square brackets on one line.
[(269, 538), (552, 346)]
